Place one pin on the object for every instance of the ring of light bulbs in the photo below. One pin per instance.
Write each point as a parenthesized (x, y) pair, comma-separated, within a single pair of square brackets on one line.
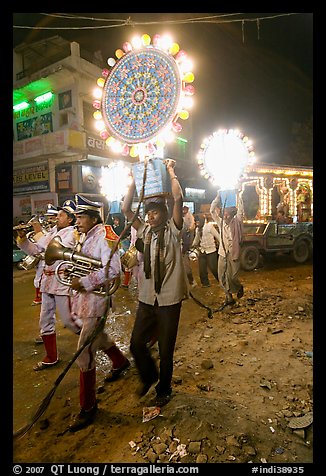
[(238, 136), (142, 95)]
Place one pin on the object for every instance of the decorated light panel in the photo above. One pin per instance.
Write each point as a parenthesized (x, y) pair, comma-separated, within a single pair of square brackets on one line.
[(142, 95), (223, 156)]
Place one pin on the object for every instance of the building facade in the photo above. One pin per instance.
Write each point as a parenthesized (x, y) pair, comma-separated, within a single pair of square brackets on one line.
[(56, 149)]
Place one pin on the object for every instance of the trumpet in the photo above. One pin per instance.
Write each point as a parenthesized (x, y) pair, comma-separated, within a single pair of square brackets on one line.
[(76, 265), (25, 227), (29, 229)]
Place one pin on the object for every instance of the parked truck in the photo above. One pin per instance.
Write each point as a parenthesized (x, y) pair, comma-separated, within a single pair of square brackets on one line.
[(263, 239)]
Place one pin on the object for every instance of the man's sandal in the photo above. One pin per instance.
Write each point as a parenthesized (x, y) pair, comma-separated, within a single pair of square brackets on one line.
[(44, 365), (225, 304)]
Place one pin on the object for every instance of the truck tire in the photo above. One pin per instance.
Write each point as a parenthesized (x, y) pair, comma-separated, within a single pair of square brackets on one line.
[(301, 250), (249, 258)]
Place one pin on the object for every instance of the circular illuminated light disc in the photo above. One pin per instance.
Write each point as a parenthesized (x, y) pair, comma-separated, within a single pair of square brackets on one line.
[(225, 157), (141, 95)]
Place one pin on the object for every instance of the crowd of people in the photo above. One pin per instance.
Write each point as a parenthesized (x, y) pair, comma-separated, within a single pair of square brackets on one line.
[(162, 241)]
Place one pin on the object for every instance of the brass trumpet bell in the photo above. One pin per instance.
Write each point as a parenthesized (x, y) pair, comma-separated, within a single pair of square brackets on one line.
[(26, 227), (56, 251), (129, 258), (30, 261)]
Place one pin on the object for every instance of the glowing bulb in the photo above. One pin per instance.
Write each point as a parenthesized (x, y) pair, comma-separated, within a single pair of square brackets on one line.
[(142, 151), (104, 134), (168, 135), (176, 127), (111, 62), (184, 115), (97, 115), (186, 65), (150, 148), (136, 42), (100, 82), (189, 77), (109, 141), (189, 90), (157, 40), (116, 147), (160, 143), (174, 49), (133, 151), (146, 39), (181, 56), (99, 125), (125, 150), (119, 53), (97, 93), (166, 42), (187, 102), (126, 46)]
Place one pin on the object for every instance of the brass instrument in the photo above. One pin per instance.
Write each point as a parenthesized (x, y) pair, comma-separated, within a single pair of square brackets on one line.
[(30, 261), (76, 265), (29, 229), (26, 227), (129, 258), (46, 224)]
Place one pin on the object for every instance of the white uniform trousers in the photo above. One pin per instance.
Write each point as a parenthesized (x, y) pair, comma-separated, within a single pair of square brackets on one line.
[(86, 360), (52, 303)]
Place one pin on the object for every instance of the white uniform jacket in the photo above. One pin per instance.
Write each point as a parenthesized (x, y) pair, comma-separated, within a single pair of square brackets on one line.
[(49, 282), (96, 246)]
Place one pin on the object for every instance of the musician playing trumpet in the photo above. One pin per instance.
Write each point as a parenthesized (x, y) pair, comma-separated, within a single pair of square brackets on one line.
[(90, 306), (55, 295), (41, 229)]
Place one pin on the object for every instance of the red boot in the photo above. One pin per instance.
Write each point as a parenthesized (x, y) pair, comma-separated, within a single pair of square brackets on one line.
[(87, 393), (119, 363), (38, 297), (127, 279), (87, 399), (51, 358)]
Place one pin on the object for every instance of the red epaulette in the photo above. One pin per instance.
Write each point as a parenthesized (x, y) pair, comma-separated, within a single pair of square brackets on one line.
[(110, 235)]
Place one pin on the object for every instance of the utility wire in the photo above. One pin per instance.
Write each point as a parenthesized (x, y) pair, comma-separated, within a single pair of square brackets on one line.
[(130, 22), (65, 15)]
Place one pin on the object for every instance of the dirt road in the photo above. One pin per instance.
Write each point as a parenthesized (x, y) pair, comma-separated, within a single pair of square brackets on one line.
[(241, 377)]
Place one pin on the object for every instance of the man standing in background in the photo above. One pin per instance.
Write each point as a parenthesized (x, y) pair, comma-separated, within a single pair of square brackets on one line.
[(188, 234), (231, 229)]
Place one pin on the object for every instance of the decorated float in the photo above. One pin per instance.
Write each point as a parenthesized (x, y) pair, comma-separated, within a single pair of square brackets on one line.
[(270, 187)]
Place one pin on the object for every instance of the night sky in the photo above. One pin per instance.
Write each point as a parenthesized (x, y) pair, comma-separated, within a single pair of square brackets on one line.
[(256, 79)]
